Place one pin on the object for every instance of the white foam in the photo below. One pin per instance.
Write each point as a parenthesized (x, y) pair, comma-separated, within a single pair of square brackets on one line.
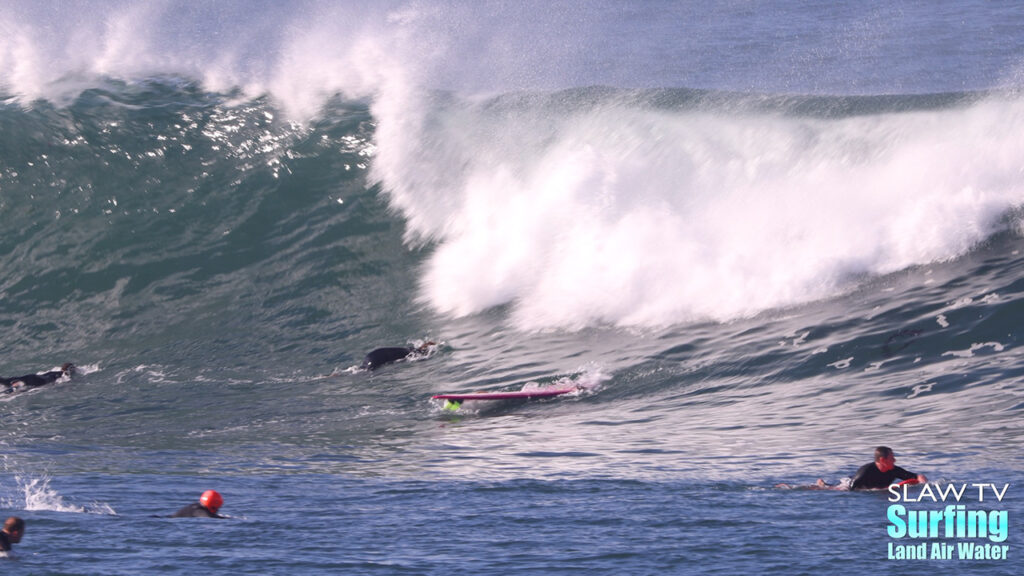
[(644, 218), (39, 495)]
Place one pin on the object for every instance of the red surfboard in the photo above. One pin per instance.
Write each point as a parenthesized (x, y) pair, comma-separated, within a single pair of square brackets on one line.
[(539, 393)]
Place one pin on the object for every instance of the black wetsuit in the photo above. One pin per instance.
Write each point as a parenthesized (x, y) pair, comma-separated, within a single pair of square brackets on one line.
[(5, 543), (869, 477), (195, 510), (382, 356), (33, 380)]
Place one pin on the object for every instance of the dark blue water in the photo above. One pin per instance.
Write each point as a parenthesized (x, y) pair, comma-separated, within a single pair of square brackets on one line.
[(763, 238)]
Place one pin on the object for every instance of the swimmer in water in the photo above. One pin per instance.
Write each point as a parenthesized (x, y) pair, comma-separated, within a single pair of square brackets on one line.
[(207, 507), (875, 476), (382, 356), (878, 475), (13, 530), (35, 380)]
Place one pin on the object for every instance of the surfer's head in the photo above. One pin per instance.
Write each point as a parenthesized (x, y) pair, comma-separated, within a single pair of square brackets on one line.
[(14, 527), (211, 500), (885, 460), (68, 368)]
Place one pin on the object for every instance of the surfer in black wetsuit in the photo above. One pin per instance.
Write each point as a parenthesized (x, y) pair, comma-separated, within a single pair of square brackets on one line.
[(13, 530), (34, 380), (207, 507), (381, 356), (878, 475)]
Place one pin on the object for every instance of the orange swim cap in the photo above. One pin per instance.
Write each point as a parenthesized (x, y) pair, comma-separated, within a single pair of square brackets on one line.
[(211, 500)]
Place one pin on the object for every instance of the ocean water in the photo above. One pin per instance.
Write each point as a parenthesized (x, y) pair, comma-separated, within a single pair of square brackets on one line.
[(763, 238)]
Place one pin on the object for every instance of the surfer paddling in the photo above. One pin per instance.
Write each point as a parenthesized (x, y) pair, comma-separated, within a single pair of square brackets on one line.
[(35, 380), (207, 506), (381, 356), (877, 475)]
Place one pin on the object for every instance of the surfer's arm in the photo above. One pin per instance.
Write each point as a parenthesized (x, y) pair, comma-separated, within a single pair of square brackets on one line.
[(907, 475), (903, 474)]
